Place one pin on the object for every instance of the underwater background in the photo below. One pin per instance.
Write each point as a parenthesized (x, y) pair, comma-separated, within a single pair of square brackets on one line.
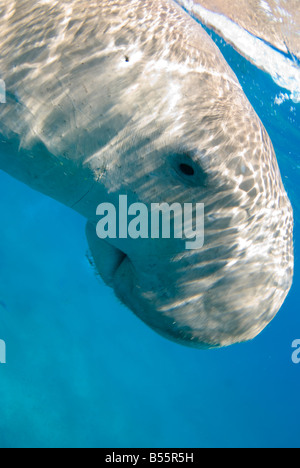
[(83, 371)]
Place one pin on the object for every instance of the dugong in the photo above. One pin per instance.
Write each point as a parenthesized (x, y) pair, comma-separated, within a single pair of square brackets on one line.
[(110, 97)]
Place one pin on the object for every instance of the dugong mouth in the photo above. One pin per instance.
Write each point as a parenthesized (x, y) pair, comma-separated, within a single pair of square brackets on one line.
[(107, 258), (110, 263), (117, 259)]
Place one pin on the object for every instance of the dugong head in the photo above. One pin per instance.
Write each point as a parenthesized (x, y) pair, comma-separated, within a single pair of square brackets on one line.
[(133, 98), (193, 137)]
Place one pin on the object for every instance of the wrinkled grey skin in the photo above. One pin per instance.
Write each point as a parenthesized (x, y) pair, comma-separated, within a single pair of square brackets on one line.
[(110, 97)]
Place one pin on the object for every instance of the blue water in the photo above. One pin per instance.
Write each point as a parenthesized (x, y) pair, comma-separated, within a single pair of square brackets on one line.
[(83, 371)]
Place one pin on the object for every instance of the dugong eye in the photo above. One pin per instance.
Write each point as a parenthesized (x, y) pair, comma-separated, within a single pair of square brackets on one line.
[(189, 169), (186, 169)]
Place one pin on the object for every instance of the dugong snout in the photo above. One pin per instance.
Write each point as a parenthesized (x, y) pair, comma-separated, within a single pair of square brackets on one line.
[(216, 303)]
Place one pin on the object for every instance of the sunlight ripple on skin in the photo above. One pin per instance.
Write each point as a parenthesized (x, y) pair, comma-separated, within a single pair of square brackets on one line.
[(114, 97)]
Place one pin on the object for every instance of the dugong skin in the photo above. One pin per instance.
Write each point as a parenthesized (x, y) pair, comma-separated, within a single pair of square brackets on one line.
[(110, 97), (276, 22)]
